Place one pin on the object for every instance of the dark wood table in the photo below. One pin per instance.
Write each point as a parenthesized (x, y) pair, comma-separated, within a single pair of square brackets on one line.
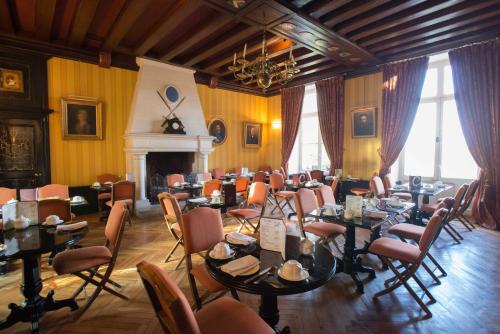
[(192, 188), (223, 206), (321, 266), (28, 245)]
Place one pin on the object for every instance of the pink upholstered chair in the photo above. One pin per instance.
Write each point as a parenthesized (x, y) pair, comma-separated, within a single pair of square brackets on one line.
[(124, 192), (316, 174), (203, 177), (52, 190), (54, 206), (27, 195), (257, 198), (173, 218), (210, 186), (105, 178), (325, 195), (305, 203), (89, 259), (281, 196), (237, 170), (335, 183), (222, 316), (411, 256), (377, 187), (242, 186), (468, 197), (6, 194), (265, 168), (217, 173), (260, 176), (389, 183), (171, 180), (284, 173), (202, 228)]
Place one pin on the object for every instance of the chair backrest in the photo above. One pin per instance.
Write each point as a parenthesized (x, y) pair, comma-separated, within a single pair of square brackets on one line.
[(210, 186), (308, 176), (26, 195), (469, 196), (52, 190), (54, 206), (218, 173), (317, 174), (171, 209), (284, 173), (335, 183), (202, 228), (6, 194), (459, 197), (103, 178), (172, 178), (260, 176), (265, 168), (431, 230), (203, 177), (237, 170), (296, 178), (115, 226), (169, 302), (377, 186), (305, 202), (242, 184), (276, 182), (257, 194), (123, 190), (324, 195)]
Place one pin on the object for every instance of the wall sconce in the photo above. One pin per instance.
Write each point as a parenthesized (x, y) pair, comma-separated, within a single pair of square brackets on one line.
[(276, 124)]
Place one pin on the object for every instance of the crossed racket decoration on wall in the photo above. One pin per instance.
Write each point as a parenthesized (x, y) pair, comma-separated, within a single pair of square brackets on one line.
[(170, 96)]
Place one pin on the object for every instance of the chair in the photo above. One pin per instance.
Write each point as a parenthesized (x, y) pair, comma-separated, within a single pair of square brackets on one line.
[(210, 186), (242, 185), (284, 173), (325, 195), (172, 179), (106, 178), (54, 206), (317, 174), (335, 183), (27, 195), (297, 178), (85, 260), (202, 228), (388, 183), (308, 176), (6, 194), (173, 219), (279, 194), (265, 168), (52, 190), (222, 316), (378, 189), (468, 197), (203, 177), (124, 192), (237, 170), (411, 256), (260, 176), (305, 203), (257, 196), (217, 173), (360, 191)]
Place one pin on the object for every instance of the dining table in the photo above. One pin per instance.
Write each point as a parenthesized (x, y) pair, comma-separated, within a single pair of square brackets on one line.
[(222, 204), (192, 188), (321, 266), (351, 263), (28, 245)]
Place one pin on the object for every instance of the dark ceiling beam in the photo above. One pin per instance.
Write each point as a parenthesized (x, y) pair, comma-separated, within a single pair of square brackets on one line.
[(173, 17), (237, 38), (81, 23), (44, 15), (127, 17), (6, 23), (331, 19), (319, 8), (433, 19)]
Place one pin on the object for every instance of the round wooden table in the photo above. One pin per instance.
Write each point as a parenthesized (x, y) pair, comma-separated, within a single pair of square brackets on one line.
[(321, 267), (28, 245)]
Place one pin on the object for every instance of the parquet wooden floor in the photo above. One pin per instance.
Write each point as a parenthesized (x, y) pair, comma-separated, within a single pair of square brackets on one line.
[(467, 300)]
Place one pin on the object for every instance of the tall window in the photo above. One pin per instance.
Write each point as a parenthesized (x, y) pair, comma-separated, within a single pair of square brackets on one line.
[(436, 147), (308, 151)]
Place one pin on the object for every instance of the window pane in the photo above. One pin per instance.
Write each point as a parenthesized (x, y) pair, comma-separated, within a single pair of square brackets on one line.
[(325, 162), (293, 162), (420, 147), (448, 81), (309, 104), (310, 130), (457, 161), (431, 83), (309, 156)]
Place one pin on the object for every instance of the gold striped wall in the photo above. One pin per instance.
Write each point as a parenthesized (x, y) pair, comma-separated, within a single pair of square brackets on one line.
[(360, 154), (77, 162)]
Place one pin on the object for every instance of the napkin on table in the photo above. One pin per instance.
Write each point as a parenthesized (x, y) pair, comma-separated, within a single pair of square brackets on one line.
[(240, 238), (71, 227), (241, 265)]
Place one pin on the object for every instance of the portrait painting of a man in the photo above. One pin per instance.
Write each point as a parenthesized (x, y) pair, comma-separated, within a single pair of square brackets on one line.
[(217, 129), (81, 119), (363, 123), (252, 134)]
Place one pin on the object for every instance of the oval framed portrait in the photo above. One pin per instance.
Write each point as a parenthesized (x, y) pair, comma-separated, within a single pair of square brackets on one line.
[(172, 94), (217, 129)]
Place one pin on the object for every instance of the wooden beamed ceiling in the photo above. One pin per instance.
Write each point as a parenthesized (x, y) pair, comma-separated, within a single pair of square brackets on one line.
[(327, 37)]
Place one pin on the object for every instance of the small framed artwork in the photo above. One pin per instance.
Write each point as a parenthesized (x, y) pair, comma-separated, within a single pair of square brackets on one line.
[(252, 134), (81, 118), (217, 129), (11, 80), (364, 122)]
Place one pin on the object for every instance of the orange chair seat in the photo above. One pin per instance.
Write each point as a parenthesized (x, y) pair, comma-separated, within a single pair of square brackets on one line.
[(104, 196), (75, 260), (177, 228), (395, 249), (245, 213), (403, 196), (228, 316), (127, 202), (429, 208), (285, 193), (326, 230), (181, 196), (201, 274), (407, 231)]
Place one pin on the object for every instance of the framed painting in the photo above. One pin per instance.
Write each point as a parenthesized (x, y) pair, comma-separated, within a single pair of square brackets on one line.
[(81, 118), (252, 134), (364, 122), (11, 80), (217, 129)]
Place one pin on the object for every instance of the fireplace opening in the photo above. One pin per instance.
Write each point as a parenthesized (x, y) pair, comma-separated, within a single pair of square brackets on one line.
[(160, 164)]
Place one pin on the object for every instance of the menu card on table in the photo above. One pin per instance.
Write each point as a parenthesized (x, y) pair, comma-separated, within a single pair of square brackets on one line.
[(355, 205), (14, 210), (273, 235)]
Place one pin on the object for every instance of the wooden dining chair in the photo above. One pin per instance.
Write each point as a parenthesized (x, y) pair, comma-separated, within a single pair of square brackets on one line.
[(103, 179), (325, 195), (203, 177), (279, 194), (218, 172), (308, 175), (254, 207), (6, 194), (172, 214), (265, 168), (317, 174), (85, 262), (284, 173), (224, 315), (54, 206), (26, 195), (202, 228), (172, 179), (389, 183), (210, 186), (242, 185), (259, 176), (411, 257), (52, 191), (124, 192), (468, 198), (335, 183)]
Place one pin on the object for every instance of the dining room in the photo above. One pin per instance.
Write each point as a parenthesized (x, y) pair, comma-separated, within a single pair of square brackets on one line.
[(212, 166)]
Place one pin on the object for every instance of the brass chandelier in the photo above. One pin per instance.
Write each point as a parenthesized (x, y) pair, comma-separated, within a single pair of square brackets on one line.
[(262, 70)]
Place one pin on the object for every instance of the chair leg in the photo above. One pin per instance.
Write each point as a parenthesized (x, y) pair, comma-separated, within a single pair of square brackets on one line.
[(172, 250), (422, 286), (431, 273), (455, 231), (445, 227), (194, 291), (464, 223), (468, 221), (109, 279), (180, 262), (84, 284), (234, 293), (396, 284), (443, 272)]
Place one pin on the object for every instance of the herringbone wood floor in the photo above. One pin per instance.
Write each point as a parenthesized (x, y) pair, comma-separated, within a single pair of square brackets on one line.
[(467, 300)]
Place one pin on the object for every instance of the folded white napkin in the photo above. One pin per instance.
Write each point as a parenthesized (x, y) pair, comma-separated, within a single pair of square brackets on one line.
[(241, 266), (198, 200), (71, 227), (240, 238)]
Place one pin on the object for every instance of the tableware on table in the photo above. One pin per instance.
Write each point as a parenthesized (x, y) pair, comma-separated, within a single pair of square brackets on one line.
[(77, 199), (108, 183), (246, 265), (198, 200), (330, 209), (71, 227), (306, 246), (374, 202), (221, 251), (21, 223), (177, 184), (289, 182), (52, 220), (236, 238), (185, 183), (3, 247), (256, 276), (292, 271), (12, 200), (216, 193), (348, 214), (96, 184)]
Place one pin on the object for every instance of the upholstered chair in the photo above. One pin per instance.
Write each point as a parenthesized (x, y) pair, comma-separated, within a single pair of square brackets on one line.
[(6, 194), (54, 206), (265, 168), (281, 196), (254, 208), (242, 185), (52, 191), (106, 178), (210, 186), (317, 174), (26, 195), (203, 177), (259, 176), (172, 179), (325, 195), (389, 183), (468, 197), (173, 219), (217, 173), (124, 192)]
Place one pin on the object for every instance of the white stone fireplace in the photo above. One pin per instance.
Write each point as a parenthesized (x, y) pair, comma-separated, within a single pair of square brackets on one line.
[(144, 132)]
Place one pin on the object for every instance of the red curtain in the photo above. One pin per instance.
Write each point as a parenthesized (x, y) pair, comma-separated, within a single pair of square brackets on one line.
[(476, 78), (291, 110), (402, 86), (330, 100)]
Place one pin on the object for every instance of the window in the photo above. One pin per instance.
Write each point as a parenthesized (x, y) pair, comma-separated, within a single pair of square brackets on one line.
[(308, 151), (436, 147)]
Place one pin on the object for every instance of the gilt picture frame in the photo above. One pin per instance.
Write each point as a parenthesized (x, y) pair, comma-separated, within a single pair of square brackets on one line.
[(217, 129), (82, 118), (364, 122), (252, 135)]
